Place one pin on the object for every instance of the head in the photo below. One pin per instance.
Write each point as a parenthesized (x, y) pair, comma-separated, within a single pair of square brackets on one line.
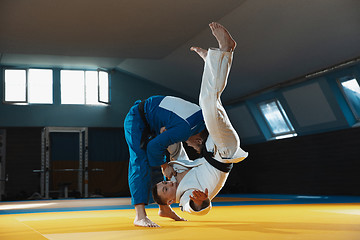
[(198, 141), (164, 193)]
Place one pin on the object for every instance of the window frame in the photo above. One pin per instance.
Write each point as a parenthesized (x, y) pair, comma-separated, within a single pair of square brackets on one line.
[(26, 101), (108, 87), (26, 87), (60, 89), (344, 79), (99, 103), (290, 133)]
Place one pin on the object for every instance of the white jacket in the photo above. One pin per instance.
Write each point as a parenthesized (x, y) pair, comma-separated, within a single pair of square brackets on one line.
[(223, 139)]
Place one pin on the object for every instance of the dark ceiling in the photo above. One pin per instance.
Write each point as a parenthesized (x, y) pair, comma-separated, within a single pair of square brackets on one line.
[(277, 40)]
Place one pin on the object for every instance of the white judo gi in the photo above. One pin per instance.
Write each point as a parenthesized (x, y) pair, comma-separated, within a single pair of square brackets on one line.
[(223, 140)]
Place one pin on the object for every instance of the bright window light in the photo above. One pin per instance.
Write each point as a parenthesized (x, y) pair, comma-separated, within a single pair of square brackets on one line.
[(84, 87), (15, 85), (72, 87), (91, 84), (352, 93), (40, 86), (35, 86), (277, 119), (103, 87)]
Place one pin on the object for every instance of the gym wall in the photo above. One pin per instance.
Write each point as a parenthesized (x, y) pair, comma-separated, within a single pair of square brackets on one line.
[(319, 164)]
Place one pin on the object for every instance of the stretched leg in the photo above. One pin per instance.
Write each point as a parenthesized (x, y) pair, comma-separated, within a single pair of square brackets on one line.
[(216, 71), (139, 184), (139, 170)]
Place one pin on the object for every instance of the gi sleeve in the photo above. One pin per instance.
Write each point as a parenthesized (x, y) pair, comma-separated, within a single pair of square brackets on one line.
[(185, 205), (157, 146), (177, 151)]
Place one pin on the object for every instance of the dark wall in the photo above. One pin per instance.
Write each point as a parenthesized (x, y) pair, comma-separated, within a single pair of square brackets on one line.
[(108, 151), (322, 164), (23, 154)]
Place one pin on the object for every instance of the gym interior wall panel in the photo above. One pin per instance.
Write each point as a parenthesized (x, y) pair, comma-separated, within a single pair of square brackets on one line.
[(23, 156), (64, 146), (243, 123), (2, 161), (319, 164), (309, 105), (107, 145), (108, 162), (111, 181)]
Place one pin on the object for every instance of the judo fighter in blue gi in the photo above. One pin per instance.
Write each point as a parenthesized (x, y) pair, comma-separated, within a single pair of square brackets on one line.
[(150, 127)]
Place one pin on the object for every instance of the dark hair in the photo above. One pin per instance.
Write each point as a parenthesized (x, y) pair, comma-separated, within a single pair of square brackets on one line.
[(191, 152), (156, 196), (204, 135)]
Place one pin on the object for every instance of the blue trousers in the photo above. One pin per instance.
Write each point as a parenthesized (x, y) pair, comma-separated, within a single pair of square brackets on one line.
[(139, 175)]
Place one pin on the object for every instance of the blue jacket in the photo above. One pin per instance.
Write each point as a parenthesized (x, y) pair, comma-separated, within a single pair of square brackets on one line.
[(181, 119)]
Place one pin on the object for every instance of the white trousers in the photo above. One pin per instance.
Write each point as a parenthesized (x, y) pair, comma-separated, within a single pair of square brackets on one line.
[(214, 80)]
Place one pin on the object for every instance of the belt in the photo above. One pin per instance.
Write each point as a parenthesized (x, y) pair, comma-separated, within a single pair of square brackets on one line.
[(224, 167), (147, 134)]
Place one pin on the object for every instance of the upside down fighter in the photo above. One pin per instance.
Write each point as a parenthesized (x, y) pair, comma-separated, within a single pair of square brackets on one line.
[(196, 183)]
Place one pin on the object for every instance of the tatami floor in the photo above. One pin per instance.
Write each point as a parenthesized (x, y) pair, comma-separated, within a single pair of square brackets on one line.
[(274, 217)]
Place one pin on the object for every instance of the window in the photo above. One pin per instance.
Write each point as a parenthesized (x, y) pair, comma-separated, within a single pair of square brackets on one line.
[(91, 87), (351, 90), (15, 85), (72, 87), (40, 86), (29, 86), (84, 87), (103, 87), (276, 119)]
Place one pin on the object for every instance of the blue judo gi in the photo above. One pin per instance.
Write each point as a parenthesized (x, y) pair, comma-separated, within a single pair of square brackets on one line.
[(181, 119)]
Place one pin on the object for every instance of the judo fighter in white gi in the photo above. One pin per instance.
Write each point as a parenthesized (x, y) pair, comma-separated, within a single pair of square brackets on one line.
[(197, 182)]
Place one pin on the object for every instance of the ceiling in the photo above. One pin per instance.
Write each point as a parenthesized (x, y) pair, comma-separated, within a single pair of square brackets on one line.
[(277, 40)]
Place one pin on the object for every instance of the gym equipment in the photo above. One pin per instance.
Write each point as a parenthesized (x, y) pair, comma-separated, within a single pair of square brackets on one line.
[(83, 172)]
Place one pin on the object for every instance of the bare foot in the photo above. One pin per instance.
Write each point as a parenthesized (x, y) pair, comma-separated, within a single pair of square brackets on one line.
[(202, 52), (166, 211), (145, 222), (226, 42)]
